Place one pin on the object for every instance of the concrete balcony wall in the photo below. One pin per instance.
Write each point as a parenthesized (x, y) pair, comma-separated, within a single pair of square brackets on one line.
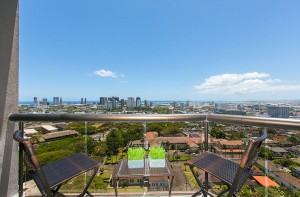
[(9, 82)]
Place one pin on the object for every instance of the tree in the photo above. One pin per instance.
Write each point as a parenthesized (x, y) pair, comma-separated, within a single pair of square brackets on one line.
[(286, 162), (83, 128), (270, 191), (158, 127), (172, 130), (216, 132), (266, 153), (100, 149), (114, 140), (294, 140), (246, 191), (82, 145)]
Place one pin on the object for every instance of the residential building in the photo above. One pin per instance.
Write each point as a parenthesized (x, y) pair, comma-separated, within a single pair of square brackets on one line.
[(35, 101), (295, 150), (176, 143), (58, 135), (278, 151), (103, 101), (138, 102), (122, 103), (283, 178), (278, 112), (130, 102), (181, 106), (45, 102), (232, 148), (30, 132), (48, 128), (55, 100), (296, 171)]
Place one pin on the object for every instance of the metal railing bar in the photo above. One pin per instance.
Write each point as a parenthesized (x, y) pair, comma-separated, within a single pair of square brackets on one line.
[(228, 119), (106, 117), (256, 121)]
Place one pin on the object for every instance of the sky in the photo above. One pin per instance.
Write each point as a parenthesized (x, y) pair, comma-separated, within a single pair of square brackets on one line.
[(198, 50)]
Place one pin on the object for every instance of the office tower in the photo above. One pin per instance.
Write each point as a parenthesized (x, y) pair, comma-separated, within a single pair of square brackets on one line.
[(60, 101), (145, 103), (110, 105), (181, 106), (151, 104), (115, 104), (85, 101), (81, 101), (122, 103), (278, 112), (130, 102), (45, 102), (115, 98), (187, 104), (55, 100), (138, 101), (103, 101), (35, 101), (174, 104)]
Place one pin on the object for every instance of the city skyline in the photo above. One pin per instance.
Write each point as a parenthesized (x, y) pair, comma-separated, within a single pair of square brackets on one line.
[(160, 50)]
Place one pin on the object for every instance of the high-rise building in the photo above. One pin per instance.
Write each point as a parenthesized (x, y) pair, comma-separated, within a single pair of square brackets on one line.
[(122, 103), (35, 101), (110, 105), (85, 101), (278, 112), (103, 101), (174, 104), (115, 98), (145, 103), (181, 106), (138, 101), (81, 101), (55, 100), (45, 102), (60, 101), (130, 102)]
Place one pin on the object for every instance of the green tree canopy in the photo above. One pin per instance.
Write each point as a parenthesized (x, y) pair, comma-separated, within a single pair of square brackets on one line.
[(83, 128), (115, 140)]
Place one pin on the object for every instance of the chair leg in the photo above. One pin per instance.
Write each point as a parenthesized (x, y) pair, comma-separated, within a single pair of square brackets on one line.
[(223, 192), (56, 189), (199, 183), (88, 184)]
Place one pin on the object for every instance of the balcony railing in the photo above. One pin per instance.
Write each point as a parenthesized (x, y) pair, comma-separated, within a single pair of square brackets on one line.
[(205, 119)]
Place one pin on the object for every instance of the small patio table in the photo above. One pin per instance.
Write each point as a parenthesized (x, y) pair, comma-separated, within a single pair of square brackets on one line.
[(121, 171)]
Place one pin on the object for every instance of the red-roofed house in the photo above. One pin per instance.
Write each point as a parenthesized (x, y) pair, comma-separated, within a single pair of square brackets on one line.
[(265, 181), (234, 148), (151, 135)]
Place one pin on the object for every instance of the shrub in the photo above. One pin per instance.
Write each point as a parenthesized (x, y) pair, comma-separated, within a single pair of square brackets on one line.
[(136, 153), (157, 152)]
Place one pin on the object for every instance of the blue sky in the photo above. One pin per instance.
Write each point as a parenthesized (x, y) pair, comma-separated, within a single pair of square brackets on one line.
[(160, 49)]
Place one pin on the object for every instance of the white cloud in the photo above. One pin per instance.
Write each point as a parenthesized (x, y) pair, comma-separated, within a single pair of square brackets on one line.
[(105, 73), (226, 84)]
